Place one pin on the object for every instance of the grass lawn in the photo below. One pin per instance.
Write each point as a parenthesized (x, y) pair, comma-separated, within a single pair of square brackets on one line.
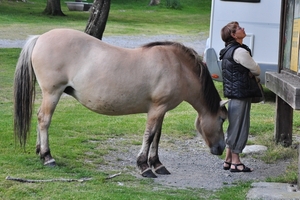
[(131, 17)]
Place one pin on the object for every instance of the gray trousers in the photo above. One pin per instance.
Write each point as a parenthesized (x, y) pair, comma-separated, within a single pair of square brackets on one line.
[(239, 124)]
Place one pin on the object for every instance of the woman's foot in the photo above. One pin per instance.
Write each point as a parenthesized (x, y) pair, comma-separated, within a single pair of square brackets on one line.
[(226, 165), (240, 168)]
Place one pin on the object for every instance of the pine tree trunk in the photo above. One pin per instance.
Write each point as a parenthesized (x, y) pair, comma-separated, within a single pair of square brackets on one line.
[(98, 18), (53, 8)]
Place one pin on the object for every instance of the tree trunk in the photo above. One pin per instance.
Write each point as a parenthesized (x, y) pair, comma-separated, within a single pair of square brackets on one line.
[(154, 2), (53, 8), (98, 18)]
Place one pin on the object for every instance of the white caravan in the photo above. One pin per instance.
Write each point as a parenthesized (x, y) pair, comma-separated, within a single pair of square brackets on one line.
[(260, 18)]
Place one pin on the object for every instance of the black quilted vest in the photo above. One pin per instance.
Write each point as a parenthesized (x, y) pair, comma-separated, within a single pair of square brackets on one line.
[(236, 79)]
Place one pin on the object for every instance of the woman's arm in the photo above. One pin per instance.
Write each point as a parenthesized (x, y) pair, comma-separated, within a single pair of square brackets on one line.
[(243, 57)]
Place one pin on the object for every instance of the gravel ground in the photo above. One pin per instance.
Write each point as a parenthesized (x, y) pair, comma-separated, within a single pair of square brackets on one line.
[(189, 161), (196, 42)]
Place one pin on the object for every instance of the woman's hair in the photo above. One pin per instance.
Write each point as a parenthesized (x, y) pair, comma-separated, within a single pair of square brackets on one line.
[(227, 30)]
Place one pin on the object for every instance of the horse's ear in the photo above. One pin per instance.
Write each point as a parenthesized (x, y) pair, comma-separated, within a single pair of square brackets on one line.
[(223, 102)]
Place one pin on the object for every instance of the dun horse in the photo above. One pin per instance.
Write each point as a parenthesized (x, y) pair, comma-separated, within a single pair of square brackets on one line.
[(110, 80)]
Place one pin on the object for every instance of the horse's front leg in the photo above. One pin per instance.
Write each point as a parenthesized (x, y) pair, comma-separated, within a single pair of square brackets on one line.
[(44, 119), (154, 161), (151, 138), (142, 159)]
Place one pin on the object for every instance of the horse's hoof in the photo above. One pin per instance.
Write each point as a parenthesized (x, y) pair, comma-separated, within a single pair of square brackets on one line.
[(162, 170), (50, 163), (148, 174)]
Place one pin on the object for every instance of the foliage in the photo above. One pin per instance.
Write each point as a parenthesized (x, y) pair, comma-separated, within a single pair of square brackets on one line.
[(175, 4)]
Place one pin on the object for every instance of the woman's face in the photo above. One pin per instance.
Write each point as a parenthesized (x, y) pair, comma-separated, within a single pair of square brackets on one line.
[(239, 33)]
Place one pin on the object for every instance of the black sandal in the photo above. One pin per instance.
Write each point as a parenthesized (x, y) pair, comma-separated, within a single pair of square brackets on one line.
[(245, 169), (229, 165)]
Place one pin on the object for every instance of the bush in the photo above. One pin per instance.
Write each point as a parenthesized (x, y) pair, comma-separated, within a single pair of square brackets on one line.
[(174, 4)]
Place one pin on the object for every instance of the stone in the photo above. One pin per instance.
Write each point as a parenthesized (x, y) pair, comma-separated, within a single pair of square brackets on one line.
[(254, 149), (273, 191)]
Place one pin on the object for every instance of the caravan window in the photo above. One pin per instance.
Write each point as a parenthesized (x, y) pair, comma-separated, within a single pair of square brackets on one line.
[(250, 1)]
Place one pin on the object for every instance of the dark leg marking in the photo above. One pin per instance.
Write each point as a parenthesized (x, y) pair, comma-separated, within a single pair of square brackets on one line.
[(148, 173), (158, 166), (48, 160)]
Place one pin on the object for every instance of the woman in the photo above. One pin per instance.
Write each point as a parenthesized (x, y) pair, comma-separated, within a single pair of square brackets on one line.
[(238, 68)]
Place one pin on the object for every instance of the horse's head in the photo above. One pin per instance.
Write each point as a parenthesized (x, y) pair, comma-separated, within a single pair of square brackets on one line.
[(211, 129)]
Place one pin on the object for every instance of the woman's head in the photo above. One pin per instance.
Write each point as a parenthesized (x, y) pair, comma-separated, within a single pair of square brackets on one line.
[(232, 32)]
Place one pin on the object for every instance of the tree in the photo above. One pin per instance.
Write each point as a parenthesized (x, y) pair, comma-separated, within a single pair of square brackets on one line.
[(53, 8), (154, 2), (98, 18)]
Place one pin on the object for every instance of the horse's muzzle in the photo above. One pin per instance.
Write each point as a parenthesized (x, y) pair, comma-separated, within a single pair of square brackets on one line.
[(218, 148)]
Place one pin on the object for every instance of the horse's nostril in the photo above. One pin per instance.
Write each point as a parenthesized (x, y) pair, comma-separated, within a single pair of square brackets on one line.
[(218, 149)]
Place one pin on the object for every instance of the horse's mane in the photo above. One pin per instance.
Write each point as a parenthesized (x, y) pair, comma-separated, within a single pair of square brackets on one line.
[(211, 96)]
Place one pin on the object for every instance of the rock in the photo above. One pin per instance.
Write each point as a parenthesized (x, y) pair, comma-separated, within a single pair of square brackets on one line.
[(254, 149), (273, 191)]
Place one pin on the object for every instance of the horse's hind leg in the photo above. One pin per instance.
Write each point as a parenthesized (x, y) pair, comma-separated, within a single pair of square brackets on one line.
[(38, 140), (44, 119)]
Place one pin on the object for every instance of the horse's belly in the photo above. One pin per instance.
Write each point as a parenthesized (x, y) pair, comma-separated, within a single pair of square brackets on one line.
[(118, 105), (120, 94)]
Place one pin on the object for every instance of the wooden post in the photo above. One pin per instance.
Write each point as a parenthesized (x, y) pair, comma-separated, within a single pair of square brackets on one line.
[(284, 122), (298, 167)]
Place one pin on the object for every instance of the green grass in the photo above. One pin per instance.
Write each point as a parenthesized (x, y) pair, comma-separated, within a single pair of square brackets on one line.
[(18, 19), (73, 125), (237, 193)]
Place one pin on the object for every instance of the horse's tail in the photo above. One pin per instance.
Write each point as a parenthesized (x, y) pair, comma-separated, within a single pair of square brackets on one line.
[(24, 92)]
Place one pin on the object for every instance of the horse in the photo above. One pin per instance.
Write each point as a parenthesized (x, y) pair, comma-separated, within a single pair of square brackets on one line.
[(153, 79)]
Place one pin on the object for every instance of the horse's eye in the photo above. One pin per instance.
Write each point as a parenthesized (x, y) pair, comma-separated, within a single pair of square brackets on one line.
[(222, 119)]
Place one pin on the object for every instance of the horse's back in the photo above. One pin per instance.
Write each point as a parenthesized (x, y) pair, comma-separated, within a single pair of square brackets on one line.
[(63, 56), (65, 45)]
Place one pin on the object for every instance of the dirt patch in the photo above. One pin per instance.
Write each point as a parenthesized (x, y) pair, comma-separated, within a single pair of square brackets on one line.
[(189, 161)]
